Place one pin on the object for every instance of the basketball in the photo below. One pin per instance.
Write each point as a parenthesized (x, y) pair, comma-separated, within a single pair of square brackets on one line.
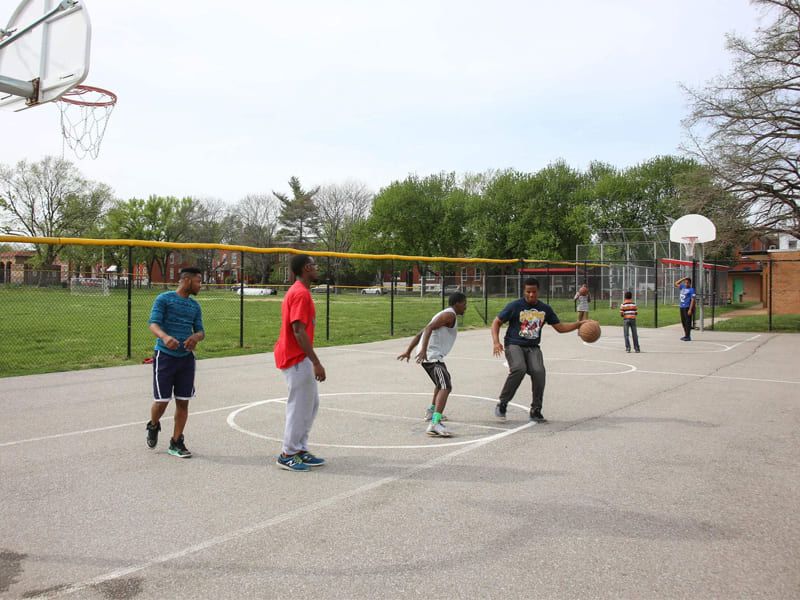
[(589, 331), (583, 291)]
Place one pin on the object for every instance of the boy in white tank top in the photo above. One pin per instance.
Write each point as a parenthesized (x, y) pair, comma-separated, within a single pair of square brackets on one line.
[(430, 346)]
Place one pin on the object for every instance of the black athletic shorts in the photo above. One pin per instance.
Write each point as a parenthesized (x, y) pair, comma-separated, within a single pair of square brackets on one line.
[(173, 374), (438, 373)]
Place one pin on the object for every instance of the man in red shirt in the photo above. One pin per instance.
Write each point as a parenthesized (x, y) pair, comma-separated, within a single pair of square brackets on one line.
[(295, 356)]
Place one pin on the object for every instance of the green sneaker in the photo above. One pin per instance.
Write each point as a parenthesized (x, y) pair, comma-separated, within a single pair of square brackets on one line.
[(178, 448)]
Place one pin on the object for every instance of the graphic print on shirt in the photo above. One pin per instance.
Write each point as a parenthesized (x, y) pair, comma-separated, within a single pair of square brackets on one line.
[(530, 324)]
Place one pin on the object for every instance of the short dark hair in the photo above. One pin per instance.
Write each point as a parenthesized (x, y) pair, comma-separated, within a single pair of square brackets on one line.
[(455, 298), (531, 281), (298, 262), (189, 272), (689, 280), (628, 295)]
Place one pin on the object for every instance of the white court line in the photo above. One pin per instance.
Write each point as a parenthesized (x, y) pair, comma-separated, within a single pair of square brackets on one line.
[(429, 446), (282, 518), (720, 377), (609, 343), (110, 427)]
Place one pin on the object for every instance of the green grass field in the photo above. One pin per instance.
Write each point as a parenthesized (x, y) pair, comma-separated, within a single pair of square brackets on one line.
[(44, 329)]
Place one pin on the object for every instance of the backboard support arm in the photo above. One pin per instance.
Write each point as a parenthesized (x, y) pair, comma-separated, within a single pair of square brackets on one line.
[(63, 5), (17, 87)]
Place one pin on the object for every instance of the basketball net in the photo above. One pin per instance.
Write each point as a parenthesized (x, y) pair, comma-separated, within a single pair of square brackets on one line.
[(85, 111), (688, 246)]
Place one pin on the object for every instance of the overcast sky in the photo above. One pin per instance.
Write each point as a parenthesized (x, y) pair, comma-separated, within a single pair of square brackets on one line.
[(220, 99)]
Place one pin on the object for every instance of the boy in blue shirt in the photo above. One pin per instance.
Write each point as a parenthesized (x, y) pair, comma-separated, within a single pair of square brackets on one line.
[(526, 318), (177, 322), (687, 295)]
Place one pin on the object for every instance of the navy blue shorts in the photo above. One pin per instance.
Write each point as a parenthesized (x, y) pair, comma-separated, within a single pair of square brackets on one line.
[(439, 374), (173, 374)]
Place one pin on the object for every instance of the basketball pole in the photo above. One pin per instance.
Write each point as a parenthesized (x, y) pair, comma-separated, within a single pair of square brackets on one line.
[(702, 284)]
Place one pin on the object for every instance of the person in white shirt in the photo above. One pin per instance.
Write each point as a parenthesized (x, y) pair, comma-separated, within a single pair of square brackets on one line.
[(430, 346)]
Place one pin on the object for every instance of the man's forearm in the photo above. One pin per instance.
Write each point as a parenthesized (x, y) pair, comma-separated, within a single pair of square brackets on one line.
[(306, 346)]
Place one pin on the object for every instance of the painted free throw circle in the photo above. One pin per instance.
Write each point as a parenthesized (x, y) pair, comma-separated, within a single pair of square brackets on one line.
[(231, 420)]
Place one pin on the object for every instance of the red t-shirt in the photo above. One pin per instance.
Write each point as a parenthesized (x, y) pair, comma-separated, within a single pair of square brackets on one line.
[(297, 306)]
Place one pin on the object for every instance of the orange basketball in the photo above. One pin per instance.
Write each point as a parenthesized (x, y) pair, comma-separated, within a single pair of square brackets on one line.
[(589, 331)]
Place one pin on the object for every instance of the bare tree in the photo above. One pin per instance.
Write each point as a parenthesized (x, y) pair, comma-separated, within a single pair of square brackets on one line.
[(211, 225), (256, 217), (745, 126), (49, 198), (339, 208)]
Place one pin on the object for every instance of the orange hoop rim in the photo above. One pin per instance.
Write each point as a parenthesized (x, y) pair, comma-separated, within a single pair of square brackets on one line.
[(73, 96)]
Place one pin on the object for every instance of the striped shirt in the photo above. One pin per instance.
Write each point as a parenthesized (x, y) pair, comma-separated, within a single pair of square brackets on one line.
[(628, 310)]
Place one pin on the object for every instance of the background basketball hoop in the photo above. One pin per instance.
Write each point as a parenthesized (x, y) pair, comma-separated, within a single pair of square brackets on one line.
[(688, 230), (85, 111), (688, 245)]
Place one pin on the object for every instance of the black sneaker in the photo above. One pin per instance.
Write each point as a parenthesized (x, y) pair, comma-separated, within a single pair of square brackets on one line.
[(500, 411), (178, 448), (536, 415), (152, 434)]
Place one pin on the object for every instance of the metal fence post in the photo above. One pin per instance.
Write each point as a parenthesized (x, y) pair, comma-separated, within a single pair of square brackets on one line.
[(241, 299), (485, 295), (443, 286), (655, 296), (130, 296), (391, 303), (328, 302), (547, 274)]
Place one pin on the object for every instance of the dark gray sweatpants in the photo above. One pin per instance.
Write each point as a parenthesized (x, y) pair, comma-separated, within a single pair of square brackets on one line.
[(524, 360)]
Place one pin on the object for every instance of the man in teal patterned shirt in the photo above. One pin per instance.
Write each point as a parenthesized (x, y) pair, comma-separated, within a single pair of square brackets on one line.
[(177, 322)]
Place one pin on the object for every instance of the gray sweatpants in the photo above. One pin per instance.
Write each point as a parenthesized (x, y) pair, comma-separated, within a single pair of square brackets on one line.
[(524, 360), (301, 406)]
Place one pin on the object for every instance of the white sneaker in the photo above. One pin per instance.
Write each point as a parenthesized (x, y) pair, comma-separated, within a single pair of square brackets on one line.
[(429, 415), (437, 430)]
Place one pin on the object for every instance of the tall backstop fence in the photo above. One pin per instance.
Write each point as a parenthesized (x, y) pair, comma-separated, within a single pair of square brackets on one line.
[(90, 305)]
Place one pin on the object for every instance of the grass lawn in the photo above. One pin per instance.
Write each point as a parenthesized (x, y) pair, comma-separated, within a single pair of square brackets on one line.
[(780, 323), (50, 329)]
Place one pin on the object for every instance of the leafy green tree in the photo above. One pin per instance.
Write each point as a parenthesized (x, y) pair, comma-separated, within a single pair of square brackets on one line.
[(418, 217), (524, 215), (159, 218), (49, 198), (638, 200), (298, 213)]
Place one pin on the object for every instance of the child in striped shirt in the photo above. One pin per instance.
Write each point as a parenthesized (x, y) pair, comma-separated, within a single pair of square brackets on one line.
[(628, 312)]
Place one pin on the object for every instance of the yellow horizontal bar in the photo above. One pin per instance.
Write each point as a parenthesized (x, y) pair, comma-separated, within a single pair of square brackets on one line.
[(64, 241)]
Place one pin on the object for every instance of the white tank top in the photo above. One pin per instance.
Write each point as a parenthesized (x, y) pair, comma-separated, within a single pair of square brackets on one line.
[(442, 339)]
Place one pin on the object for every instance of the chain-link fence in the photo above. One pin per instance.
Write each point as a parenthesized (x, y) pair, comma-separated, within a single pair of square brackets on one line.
[(95, 313)]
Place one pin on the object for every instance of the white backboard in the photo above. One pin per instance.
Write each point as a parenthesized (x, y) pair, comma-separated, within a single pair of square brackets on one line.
[(57, 51), (693, 226)]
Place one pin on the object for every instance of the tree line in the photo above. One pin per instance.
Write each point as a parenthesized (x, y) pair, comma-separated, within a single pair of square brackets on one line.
[(495, 214)]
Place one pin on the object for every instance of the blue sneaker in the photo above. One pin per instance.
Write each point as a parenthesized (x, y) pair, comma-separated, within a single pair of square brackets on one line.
[(311, 460), (292, 463)]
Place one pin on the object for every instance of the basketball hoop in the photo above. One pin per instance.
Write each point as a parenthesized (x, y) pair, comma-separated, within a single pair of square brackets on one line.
[(688, 245), (85, 111)]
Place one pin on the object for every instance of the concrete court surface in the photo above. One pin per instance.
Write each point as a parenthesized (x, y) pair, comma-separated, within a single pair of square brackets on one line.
[(667, 474)]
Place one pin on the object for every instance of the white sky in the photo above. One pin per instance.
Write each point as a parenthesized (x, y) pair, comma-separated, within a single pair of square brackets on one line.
[(220, 99)]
